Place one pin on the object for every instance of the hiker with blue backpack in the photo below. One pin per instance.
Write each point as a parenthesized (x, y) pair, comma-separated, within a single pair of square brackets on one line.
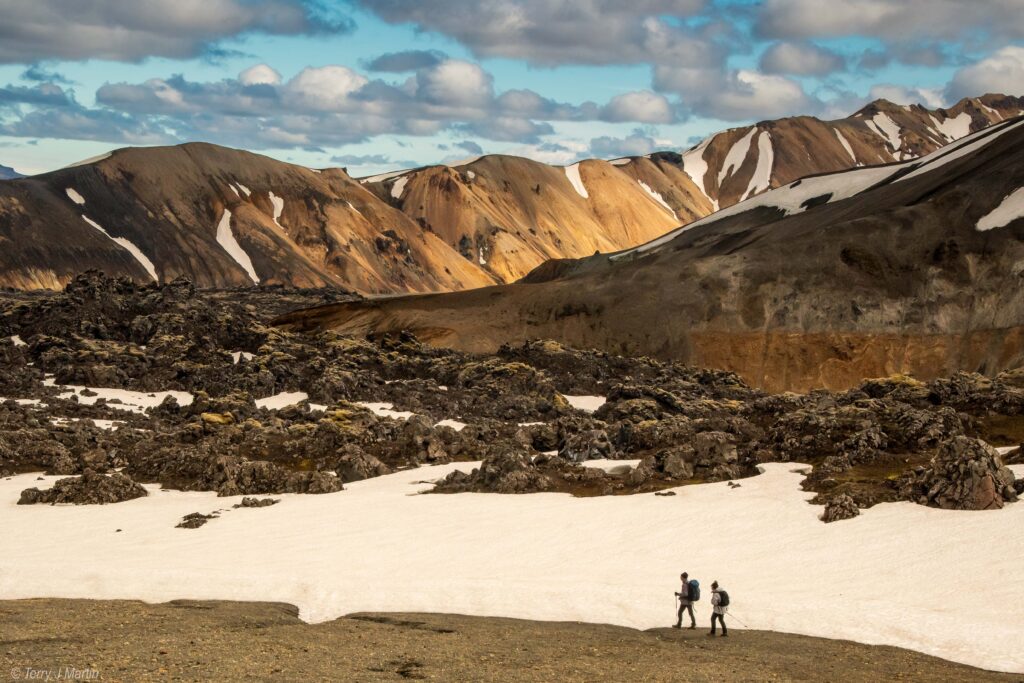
[(719, 606), (688, 594)]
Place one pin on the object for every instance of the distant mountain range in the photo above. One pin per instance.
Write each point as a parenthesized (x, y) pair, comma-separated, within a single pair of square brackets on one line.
[(908, 267), (8, 173), (226, 217)]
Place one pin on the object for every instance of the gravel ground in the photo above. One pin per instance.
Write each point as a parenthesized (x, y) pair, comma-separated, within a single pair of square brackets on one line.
[(230, 641)]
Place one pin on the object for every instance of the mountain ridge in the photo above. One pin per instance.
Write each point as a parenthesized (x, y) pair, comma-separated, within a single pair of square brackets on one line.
[(820, 283), (227, 217)]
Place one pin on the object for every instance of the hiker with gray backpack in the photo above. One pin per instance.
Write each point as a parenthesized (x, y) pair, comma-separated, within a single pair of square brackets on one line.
[(719, 606), (687, 595)]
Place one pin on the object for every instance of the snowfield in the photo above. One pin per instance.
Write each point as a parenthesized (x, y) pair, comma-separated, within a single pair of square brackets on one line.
[(1009, 210), (226, 239), (947, 583), (573, 174), (128, 246)]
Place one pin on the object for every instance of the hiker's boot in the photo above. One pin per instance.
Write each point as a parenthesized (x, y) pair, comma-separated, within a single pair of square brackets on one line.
[(677, 625), (693, 626)]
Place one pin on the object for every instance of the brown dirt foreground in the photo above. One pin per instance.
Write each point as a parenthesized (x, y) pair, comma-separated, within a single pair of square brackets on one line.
[(232, 641)]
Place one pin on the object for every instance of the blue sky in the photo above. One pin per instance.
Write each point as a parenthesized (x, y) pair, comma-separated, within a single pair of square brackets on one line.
[(379, 84)]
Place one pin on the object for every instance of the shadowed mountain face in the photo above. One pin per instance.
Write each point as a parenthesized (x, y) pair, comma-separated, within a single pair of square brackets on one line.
[(909, 267), (229, 218), (8, 173)]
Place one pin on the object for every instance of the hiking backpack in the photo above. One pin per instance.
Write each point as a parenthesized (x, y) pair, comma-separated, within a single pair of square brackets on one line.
[(693, 590), (723, 599)]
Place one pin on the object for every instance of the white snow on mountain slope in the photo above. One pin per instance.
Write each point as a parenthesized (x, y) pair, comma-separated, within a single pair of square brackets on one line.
[(956, 127), (736, 156), (74, 196), (128, 246), (846, 144), (383, 176), (874, 578), (656, 196), (761, 180), (962, 147), (278, 204), (235, 190), (573, 174), (244, 189), (351, 206), (90, 160), (789, 199), (888, 130), (226, 239), (989, 109), (622, 161), (696, 167), (399, 187), (841, 185), (1009, 210)]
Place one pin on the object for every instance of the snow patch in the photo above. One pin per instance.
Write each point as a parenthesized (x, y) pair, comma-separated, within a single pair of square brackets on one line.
[(611, 466), (656, 196), (131, 401), (846, 144), (587, 404), (226, 239), (75, 197), (480, 256), (90, 160), (386, 410), (1009, 210), (696, 167), (244, 189), (736, 156), (128, 246), (454, 424), (573, 174), (956, 127), (278, 204), (282, 400), (888, 130), (399, 187), (622, 161), (383, 176), (761, 180)]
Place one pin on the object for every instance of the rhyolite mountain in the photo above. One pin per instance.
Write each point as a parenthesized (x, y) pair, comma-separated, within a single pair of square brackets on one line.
[(225, 217), (908, 267)]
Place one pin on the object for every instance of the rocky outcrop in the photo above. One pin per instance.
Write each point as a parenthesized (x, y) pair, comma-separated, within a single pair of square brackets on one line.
[(89, 489), (966, 474), (839, 508), (508, 472)]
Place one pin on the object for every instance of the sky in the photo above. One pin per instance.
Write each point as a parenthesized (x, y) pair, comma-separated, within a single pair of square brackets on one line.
[(375, 85)]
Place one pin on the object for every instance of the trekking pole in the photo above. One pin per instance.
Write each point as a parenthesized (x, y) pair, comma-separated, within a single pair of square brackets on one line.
[(733, 616)]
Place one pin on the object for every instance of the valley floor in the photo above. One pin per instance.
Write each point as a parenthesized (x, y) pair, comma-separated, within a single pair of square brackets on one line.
[(236, 641)]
